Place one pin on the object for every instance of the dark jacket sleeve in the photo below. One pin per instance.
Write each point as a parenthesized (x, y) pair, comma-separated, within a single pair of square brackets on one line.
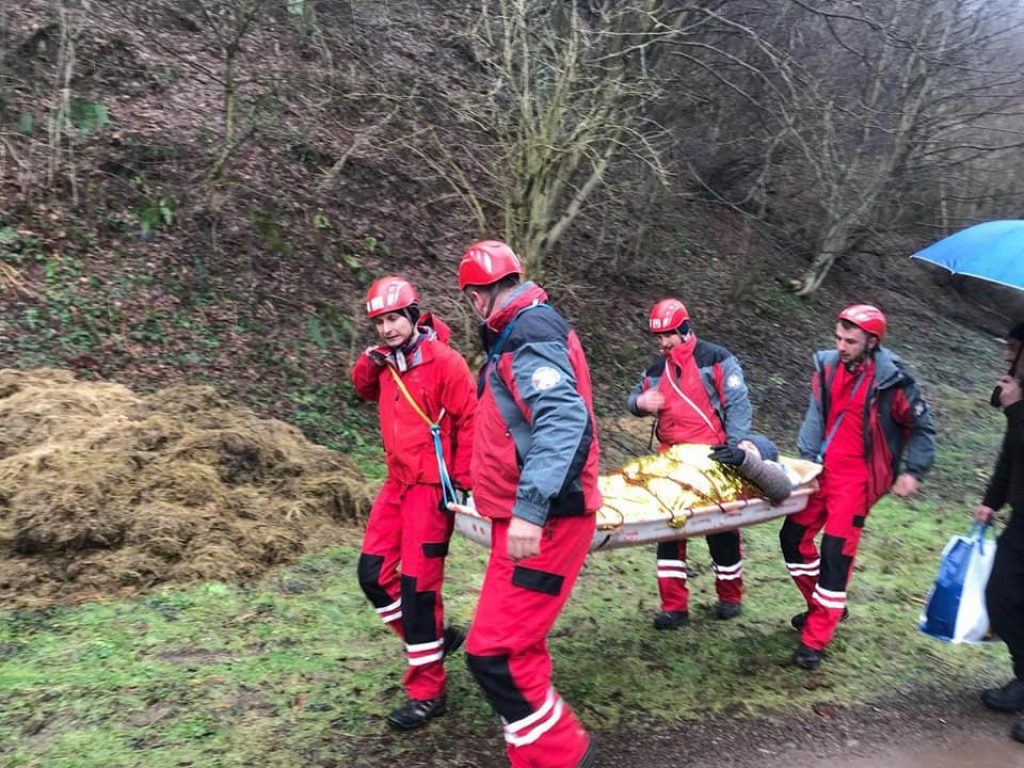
[(999, 486), (738, 413), (917, 418), (812, 430), (648, 379), (561, 431), (638, 389)]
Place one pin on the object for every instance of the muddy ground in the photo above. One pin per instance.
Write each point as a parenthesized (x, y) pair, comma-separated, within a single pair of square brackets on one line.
[(923, 729), (927, 730)]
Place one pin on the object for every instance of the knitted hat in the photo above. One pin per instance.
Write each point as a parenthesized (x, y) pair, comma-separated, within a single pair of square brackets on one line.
[(765, 447)]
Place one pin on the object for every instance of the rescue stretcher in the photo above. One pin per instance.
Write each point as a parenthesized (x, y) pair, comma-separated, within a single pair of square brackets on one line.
[(664, 519)]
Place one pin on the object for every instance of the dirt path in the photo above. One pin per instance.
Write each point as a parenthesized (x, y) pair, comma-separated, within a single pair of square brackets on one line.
[(973, 751), (926, 730), (922, 729)]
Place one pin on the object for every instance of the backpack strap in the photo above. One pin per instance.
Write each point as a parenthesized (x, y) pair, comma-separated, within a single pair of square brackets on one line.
[(495, 351)]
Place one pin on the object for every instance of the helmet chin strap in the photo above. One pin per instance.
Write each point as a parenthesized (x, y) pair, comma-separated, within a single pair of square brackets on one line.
[(492, 298)]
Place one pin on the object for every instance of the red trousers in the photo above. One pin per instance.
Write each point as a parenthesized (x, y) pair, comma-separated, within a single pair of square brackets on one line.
[(840, 507), (401, 569), (507, 644), (727, 561)]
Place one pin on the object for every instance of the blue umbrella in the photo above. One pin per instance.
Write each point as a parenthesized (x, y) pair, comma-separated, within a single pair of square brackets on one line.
[(992, 251)]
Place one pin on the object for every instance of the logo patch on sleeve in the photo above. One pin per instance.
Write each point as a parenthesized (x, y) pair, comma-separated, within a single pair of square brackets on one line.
[(545, 378), (733, 381)]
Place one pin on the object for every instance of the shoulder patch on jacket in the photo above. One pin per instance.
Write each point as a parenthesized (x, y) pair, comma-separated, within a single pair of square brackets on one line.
[(545, 378)]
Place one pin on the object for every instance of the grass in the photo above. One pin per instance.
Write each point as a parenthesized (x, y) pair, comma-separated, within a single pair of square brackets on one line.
[(297, 670)]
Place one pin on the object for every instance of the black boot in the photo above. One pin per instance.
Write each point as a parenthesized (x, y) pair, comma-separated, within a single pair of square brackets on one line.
[(454, 637), (1009, 698), (671, 619), (806, 657), (1018, 732), (727, 610), (589, 757), (416, 712), (800, 619)]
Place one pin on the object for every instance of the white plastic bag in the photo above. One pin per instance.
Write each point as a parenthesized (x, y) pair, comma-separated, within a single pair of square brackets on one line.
[(955, 610)]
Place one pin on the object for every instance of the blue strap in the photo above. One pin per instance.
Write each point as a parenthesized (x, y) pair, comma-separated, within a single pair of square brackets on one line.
[(839, 419), (495, 351), (447, 488)]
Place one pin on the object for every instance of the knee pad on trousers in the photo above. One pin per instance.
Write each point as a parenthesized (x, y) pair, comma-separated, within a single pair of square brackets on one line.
[(368, 572), (835, 566), (418, 613), (790, 536), (725, 548), (667, 550), (494, 676)]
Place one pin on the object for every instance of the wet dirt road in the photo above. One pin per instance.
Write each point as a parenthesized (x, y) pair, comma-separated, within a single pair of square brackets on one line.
[(925, 729), (993, 750), (969, 738)]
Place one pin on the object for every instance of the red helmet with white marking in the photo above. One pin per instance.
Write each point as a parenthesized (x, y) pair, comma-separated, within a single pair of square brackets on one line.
[(869, 319), (390, 294), (487, 262), (667, 315)]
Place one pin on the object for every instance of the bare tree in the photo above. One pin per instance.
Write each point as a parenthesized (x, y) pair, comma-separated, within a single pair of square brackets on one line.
[(830, 122), (923, 89), (569, 83)]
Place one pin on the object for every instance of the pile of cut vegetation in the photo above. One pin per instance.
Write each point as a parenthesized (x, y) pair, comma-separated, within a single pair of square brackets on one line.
[(104, 492)]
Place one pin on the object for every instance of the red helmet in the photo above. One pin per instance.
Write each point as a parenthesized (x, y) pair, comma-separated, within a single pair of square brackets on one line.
[(869, 319), (390, 294), (667, 315), (487, 262)]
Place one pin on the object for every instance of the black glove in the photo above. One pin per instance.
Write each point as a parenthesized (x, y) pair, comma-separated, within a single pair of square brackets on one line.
[(727, 454), (377, 356)]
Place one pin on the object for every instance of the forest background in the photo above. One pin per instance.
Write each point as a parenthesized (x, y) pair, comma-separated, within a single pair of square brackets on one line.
[(201, 191)]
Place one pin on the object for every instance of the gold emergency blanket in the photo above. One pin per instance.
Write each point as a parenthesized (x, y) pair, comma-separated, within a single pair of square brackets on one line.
[(671, 485)]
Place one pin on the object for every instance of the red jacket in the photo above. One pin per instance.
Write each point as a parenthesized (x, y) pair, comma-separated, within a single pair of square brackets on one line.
[(887, 427), (687, 416), (438, 378), (535, 446), (705, 394)]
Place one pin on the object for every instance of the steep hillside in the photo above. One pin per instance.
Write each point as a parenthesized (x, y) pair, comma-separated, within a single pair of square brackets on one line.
[(186, 199), (161, 242)]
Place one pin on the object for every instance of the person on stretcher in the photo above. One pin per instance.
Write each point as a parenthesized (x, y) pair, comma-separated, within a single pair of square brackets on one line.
[(757, 460)]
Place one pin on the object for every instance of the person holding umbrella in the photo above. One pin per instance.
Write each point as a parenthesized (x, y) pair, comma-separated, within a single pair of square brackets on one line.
[(994, 251), (1005, 592)]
